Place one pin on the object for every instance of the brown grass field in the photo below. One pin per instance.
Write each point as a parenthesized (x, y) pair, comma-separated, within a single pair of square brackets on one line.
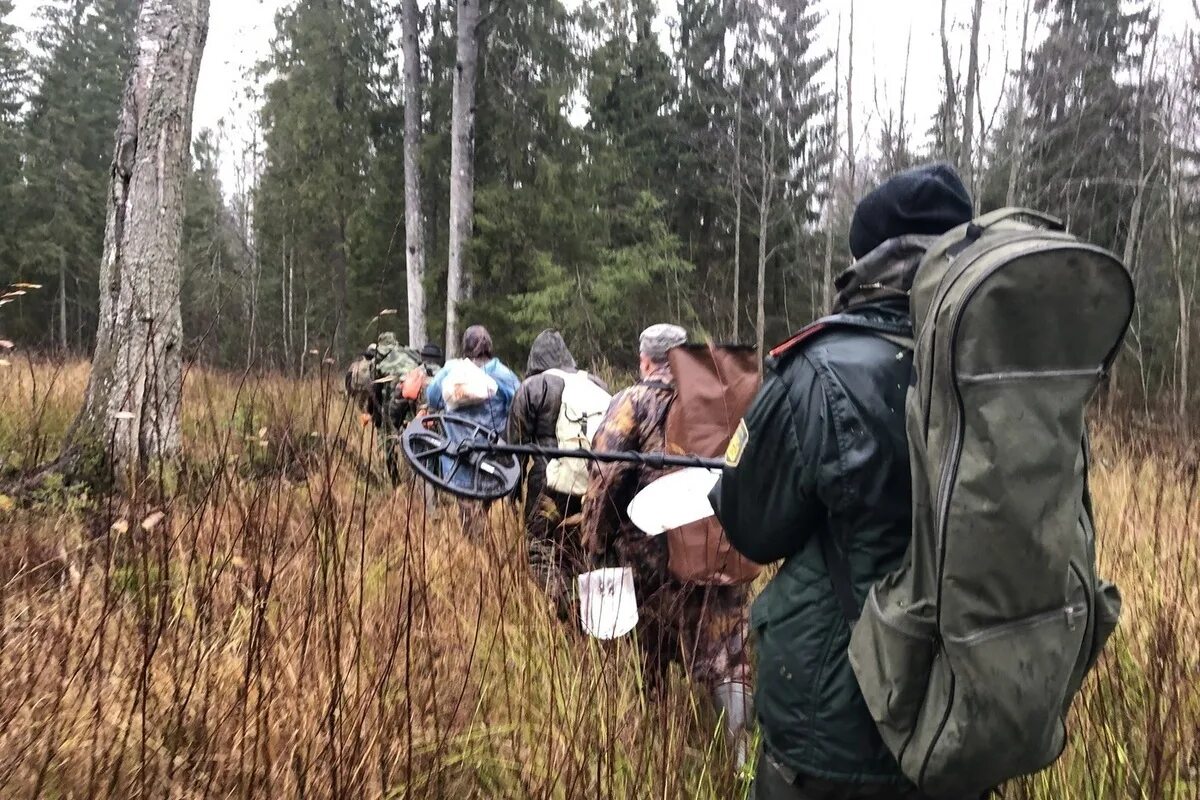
[(285, 625)]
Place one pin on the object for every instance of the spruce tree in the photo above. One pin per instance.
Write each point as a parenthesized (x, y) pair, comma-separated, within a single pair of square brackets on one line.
[(12, 89), (1083, 123), (325, 64), (84, 48)]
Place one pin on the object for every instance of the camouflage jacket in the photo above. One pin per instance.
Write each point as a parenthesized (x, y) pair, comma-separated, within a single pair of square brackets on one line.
[(635, 421)]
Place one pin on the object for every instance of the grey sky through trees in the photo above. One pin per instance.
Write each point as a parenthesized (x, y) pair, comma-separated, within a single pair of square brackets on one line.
[(241, 32)]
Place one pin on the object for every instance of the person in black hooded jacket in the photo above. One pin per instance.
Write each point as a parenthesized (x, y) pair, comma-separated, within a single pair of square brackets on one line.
[(551, 518), (818, 477)]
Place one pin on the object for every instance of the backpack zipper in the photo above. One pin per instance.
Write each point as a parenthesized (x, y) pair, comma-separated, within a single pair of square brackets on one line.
[(1073, 613), (943, 290)]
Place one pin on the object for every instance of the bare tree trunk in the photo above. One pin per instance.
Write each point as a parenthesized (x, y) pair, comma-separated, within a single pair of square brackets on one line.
[(1181, 294), (1018, 142), (253, 265), (462, 162), (133, 394), (851, 164), (414, 225), (966, 154), (738, 188), (1184, 293), (831, 202), (62, 300), (951, 99), (764, 221)]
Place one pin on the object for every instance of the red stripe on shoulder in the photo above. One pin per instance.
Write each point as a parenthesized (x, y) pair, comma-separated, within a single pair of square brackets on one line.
[(802, 336)]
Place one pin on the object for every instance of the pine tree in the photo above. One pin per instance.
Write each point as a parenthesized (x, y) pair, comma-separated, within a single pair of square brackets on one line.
[(209, 265)]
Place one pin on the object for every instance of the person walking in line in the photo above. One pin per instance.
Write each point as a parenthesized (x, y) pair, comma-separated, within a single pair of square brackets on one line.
[(557, 405)]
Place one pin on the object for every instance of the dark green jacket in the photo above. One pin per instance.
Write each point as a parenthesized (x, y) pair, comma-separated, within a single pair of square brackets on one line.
[(825, 454)]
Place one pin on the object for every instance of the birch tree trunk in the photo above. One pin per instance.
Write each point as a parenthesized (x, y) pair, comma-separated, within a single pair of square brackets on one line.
[(132, 405), (966, 153), (738, 188), (414, 225), (462, 162)]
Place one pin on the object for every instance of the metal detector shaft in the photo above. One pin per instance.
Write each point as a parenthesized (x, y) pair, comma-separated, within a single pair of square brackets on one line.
[(656, 460), (465, 458)]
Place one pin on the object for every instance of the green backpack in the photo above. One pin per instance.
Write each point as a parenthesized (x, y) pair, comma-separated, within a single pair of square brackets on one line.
[(970, 654), (392, 361)]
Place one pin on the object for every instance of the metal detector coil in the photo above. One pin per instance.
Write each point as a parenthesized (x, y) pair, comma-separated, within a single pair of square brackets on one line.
[(460, 456), (465, 458)]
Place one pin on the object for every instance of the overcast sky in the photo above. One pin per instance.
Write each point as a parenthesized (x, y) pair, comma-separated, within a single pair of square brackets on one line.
[(240, 33)]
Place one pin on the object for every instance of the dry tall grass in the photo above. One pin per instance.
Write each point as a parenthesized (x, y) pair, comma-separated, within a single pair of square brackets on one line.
[(287, 626)]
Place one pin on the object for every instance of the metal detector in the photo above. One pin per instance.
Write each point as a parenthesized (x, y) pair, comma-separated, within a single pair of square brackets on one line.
[(469, 460)]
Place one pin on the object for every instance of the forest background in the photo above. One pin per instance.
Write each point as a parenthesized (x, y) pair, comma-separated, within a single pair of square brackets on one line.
[(634, 161)]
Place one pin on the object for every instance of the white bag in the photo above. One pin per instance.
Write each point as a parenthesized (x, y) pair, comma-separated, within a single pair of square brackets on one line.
[(466, 384), (607, 603), (583, 406)]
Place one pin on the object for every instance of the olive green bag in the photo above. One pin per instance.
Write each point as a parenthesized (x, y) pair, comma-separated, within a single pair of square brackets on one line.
[(970, 653)]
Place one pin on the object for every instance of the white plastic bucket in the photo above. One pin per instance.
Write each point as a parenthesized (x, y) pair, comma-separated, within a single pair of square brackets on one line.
[(607, 602)]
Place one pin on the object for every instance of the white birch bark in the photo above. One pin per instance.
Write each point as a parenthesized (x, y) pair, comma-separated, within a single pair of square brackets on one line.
[(462, 162), (414, 218)]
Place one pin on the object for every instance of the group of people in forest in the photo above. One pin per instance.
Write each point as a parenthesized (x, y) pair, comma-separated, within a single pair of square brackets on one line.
[(821, 456)]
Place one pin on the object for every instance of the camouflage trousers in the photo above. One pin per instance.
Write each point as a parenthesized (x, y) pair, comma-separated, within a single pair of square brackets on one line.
[(555, 551), (702, 628)]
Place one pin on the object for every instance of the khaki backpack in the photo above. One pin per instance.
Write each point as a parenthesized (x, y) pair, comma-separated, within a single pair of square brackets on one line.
[(970, 654), (714, 386), (579, 414)]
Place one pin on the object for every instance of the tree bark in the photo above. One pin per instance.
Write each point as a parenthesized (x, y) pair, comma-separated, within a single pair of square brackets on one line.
[(831, 203), (951, 99), (966, 153), (1018, 142), (738, 188), (851, 166), (132, 405), (766, 197), (62, 301), (414, 225), (462, 162)]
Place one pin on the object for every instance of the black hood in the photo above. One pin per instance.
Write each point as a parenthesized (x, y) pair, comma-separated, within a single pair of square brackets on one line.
[(549, 351)]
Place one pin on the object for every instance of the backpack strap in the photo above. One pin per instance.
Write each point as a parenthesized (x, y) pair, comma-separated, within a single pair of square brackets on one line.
[(839, 575), (836, 561)]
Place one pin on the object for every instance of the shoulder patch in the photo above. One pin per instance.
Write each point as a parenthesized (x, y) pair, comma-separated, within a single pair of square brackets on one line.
[(737, 445)]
